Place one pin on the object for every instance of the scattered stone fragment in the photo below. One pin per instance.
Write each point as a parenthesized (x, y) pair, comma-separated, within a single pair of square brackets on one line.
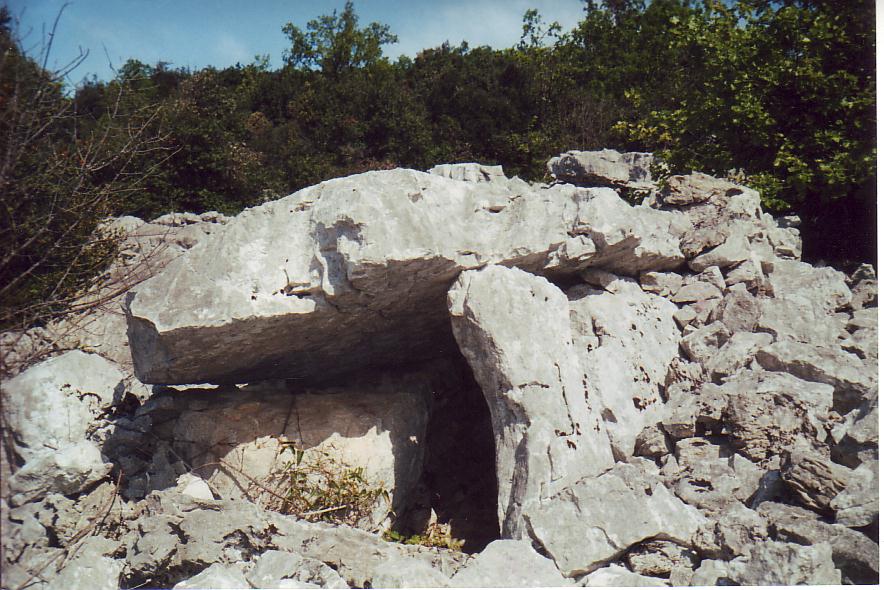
[(814, 479), (703, 344), (852, 379), (617, 575), (217, 575), (407, 572), (696, 291), (732, 252), (853, 553), (661, 283), (604, 168), (739, 310), (857, 504), (275, 567), (709, 476), (54, 403), (737, 353), (774, 563), (508, 564), (586, 526), (659, 557)]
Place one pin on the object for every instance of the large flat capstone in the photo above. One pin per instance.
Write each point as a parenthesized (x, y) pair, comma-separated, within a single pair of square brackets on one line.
[(353, 272)]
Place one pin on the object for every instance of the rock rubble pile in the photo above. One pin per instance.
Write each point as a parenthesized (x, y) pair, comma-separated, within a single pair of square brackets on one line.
[(529, 384)]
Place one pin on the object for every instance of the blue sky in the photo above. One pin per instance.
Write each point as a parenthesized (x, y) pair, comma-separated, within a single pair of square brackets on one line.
[(196, 33)]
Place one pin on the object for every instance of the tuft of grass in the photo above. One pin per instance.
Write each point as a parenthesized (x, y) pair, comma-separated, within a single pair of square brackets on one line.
[(316, 486), (435, 535)]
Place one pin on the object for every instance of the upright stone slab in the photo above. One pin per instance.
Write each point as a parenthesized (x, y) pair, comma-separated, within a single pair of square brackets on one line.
[(514, 329)]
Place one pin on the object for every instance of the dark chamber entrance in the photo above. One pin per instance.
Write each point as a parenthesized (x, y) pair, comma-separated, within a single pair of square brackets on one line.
[(459, 480)]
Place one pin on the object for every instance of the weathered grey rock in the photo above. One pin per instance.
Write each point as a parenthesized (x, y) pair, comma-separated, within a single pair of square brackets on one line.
[(680, 416), (712, 572), (775, 563), (273, 568), (547, 428), (681, 190), (713, 276), (356, 555), (823, 286), (857, 437), (814, 479), (864, 287), (195, 487), (95, 572), (696, 291), (604, 168), (862, 343), (659, 558), (710, 477), (863, 319), (617, 575), (217, 575), (739, 310), (732, 252), (749, 272), (651, 442), (734, 532), (406, 572), (469, 172), (358, 268), (54, 403), (857, 504), (798, 320), (586, 526), (768, 414), (625, 341), (661, 283), (508, 564), (737, 353), (853, 380), (853, 553), (701, 345), (68, 471)]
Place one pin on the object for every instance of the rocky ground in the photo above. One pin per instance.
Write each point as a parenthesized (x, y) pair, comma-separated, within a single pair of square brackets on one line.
[(454, 378)]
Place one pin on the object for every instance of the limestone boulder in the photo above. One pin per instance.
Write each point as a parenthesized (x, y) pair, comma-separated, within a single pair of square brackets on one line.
[(856, 555), (814, 479), (709, 476), (69, 470), (617, 575), (854, 381), (509, 564), (469, 172), (363, 264), (547, 425), (58, 402), (857, 504), (625, 340), (604, 168), (407, 572), (278, 569), (217, 575), (586, 526), (775, 563), (769, 413)]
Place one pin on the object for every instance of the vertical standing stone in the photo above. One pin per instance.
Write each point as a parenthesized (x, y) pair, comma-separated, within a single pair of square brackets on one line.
[(514, 330)]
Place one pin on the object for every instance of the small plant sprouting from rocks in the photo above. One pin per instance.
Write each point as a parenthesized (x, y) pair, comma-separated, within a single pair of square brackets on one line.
[(316, 486), (436, 535)]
